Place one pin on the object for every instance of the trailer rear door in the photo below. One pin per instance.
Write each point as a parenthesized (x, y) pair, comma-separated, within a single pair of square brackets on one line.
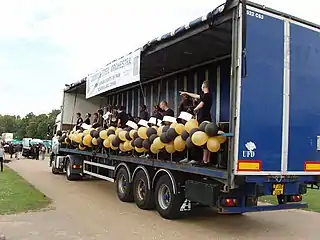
[(304, 101), (279, 100)]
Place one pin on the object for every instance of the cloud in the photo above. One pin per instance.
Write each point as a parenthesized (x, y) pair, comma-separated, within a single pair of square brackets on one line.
[(45, 43)]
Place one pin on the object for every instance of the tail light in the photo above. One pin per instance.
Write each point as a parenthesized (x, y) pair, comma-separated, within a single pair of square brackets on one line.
[(76, 166), (296, 198), (229, 202)]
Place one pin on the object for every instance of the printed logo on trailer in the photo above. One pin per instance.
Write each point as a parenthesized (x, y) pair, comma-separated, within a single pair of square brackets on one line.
[(249, 153)]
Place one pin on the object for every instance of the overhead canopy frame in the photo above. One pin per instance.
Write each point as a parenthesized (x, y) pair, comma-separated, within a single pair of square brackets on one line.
[(199, 41)]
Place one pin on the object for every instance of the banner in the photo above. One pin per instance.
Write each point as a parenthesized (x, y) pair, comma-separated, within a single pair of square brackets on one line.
[(118, 73)]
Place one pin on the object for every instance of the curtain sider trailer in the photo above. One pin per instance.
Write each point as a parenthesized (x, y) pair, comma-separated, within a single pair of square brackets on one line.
[(263, 69)]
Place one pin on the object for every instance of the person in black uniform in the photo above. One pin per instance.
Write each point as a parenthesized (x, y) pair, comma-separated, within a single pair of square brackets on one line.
[(156, 112), (100, 117), (95, 118), (37, 151), (186, 104), (79, 121), (11, 149), (113, 116), (31, 151), (122, 118), (166, 111), (143, 112), (87, 119), (203, 110)]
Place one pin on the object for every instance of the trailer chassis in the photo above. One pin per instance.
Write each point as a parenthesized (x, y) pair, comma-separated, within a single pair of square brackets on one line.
[(174, 188)]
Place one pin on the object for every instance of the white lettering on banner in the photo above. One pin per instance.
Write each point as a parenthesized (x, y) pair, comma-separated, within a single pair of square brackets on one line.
[(118, 73)]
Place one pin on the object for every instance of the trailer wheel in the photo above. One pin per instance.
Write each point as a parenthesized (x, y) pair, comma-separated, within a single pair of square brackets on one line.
[(167, 203), (71, 176), (124, 187), (143, 196)]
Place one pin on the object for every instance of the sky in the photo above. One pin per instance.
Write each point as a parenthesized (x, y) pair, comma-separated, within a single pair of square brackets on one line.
[(45, 44)]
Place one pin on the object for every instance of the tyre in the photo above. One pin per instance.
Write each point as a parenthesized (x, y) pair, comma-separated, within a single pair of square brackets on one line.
[(51, 160), (124, 187), (71, 176), (54, 170), (143, 196), (167, 203)]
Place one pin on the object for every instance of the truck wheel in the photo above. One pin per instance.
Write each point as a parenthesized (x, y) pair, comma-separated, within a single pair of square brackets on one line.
[(124, 187), (167, 203), (71, 176), (143, 196), (54, 170)]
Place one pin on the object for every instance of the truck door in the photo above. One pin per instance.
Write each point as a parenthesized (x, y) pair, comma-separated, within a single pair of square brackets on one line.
[(260, 96), (278, 121), (303, 121)]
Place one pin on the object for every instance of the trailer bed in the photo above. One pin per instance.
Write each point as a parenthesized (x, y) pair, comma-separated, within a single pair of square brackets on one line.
[(204, 171)]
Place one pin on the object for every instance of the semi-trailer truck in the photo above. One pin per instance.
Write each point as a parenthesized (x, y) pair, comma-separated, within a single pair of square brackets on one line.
[(263, 70)]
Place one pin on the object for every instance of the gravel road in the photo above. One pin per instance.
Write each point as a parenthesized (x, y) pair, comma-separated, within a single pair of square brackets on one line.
[(90, 210)]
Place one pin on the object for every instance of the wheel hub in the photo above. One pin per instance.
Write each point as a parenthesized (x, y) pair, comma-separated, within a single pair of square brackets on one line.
[(164, 196), (122, 184), (141, 190)]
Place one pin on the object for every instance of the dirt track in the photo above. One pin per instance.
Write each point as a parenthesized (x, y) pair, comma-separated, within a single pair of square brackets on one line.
[(90, 210)]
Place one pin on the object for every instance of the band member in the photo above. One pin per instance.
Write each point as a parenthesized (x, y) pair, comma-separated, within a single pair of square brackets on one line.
[(203, 110)]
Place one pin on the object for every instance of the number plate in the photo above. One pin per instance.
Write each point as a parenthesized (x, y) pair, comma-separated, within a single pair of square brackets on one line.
[(277, 189)]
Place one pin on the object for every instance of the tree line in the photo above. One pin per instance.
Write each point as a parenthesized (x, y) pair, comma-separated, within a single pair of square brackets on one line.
[(32, 126)]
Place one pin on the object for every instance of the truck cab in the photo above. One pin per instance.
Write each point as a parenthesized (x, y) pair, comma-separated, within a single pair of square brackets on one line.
[(57, 127)]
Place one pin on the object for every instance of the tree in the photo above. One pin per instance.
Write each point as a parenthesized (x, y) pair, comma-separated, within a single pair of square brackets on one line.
[(34, 126), (8, 123)]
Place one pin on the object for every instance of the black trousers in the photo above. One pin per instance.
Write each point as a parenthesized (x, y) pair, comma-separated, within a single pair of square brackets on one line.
[(1, 164)]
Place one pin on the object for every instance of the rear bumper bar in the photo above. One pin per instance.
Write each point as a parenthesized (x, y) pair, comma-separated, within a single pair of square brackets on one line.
[(262, 208)]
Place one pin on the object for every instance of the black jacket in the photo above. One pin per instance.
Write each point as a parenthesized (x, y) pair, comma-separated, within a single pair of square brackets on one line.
[(87, 121)]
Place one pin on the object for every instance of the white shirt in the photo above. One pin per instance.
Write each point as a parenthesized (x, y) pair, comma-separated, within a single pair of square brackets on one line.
[(107, 115), (2, 153)]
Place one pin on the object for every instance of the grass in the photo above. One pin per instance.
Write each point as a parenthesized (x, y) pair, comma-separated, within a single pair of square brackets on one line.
[(311, 197), (17, 195)]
